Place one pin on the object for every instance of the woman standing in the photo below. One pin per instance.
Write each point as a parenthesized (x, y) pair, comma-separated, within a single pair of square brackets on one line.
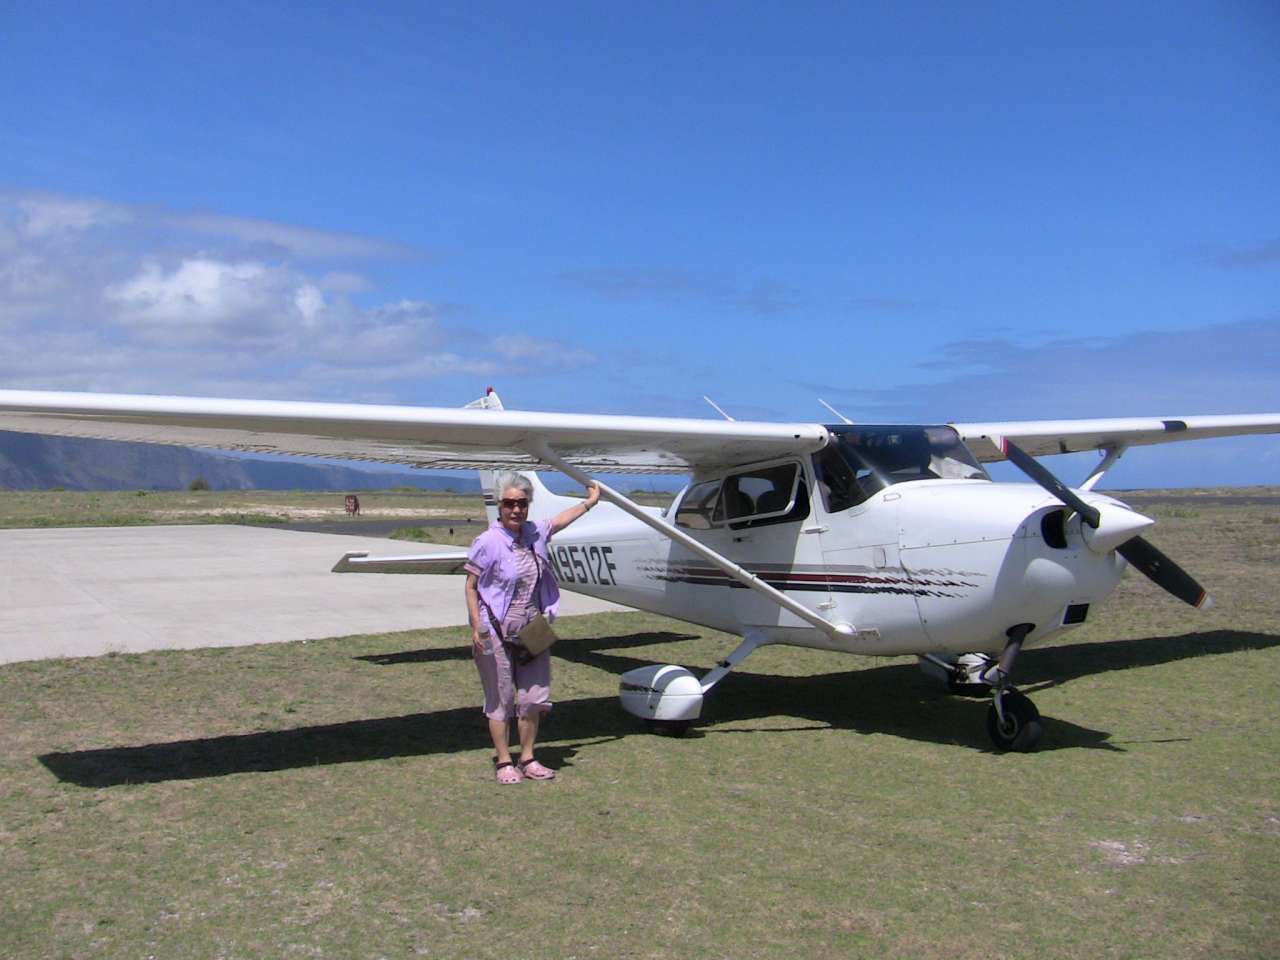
[(509, 581)]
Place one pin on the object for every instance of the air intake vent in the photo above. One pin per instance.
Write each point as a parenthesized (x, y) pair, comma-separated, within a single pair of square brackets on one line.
[(1076, 613), (1054, 529)]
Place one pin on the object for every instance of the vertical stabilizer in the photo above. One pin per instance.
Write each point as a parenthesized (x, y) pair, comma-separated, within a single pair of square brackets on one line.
[(488, 480)]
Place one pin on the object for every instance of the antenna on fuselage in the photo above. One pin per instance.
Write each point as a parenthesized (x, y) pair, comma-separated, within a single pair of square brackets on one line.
[(835, 411), (717, 409)]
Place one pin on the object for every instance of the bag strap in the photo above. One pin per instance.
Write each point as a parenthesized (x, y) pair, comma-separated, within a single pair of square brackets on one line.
[(493, 621), (537, 584)]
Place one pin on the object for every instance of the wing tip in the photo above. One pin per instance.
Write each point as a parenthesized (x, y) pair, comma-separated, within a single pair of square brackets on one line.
[(345, 564)]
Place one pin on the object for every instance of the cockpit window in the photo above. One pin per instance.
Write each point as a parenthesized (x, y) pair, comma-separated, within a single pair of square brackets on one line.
[(836, 480), (876, 457)]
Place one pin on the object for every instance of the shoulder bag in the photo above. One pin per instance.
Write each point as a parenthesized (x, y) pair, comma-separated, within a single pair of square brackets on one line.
[(536, 635)]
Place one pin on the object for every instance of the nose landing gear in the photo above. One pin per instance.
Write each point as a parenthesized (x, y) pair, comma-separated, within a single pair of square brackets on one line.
[(1012, 720)]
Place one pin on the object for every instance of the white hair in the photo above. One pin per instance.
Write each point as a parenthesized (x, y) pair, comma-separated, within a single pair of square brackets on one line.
[(513, 479)]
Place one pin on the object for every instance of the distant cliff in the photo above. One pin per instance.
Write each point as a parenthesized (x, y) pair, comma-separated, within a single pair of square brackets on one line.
[(31, 462)]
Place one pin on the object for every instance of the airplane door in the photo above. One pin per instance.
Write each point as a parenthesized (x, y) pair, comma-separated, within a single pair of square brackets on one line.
[(767, 510), (693, 588), (870, 589)]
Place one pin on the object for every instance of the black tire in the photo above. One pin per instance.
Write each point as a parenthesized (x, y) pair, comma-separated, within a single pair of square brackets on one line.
[(1022, 728), (668, 728)]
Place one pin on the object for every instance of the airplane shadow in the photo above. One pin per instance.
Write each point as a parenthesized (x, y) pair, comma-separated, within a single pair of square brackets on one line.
[(463, 652), (1065, 663), (894, 699)]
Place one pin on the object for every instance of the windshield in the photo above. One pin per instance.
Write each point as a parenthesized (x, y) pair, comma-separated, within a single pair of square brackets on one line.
[(872, 458)]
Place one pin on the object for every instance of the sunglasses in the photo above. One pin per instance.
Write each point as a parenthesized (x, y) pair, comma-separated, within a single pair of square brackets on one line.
[(512, 502)]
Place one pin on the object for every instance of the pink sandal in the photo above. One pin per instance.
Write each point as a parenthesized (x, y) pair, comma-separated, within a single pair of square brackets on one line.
[(506, 773), (533, 770)]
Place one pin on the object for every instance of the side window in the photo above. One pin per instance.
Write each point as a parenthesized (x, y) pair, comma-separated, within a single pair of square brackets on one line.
[(700, 506), (764, 496), (836, 481), (752, 498)]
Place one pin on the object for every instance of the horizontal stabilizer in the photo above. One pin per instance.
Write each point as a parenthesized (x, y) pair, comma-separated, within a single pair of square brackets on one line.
[(446, 561)]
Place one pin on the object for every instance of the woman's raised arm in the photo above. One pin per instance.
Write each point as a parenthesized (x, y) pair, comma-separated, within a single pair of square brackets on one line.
[(566, 517)]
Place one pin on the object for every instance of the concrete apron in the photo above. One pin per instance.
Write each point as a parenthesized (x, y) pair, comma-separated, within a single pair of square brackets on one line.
[(82, 592)]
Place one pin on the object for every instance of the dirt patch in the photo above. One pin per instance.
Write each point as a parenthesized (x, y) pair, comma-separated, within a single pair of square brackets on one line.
[(1118, 854)]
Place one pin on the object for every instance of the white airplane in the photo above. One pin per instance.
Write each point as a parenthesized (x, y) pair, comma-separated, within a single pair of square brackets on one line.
[(880, 540)]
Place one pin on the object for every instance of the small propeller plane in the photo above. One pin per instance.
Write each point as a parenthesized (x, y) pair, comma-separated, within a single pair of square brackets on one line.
[(875, 539)]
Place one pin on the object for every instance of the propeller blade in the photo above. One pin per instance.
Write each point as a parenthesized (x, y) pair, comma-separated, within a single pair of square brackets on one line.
[(1164, 572), (1139, 552), (1041, 475)]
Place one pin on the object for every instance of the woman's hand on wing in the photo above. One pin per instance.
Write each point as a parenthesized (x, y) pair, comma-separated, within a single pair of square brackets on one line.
[(566, 517)]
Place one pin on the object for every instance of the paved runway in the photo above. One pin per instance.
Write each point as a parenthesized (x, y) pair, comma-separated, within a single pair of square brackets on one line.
[(87, 591)]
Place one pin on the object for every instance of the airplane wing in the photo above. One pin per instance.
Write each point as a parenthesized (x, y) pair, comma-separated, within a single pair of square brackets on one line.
[(1046, 437), (437, 438), (442, 438)]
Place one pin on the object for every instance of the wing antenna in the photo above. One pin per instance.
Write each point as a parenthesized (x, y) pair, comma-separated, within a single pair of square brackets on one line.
[(717, 409), (835, 411)]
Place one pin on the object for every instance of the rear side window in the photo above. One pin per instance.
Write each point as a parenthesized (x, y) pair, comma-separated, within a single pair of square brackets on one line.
[(766, 495), (752, 498)]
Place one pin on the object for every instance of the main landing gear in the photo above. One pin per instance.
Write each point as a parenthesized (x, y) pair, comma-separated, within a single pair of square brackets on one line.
[(669, 698), (668, 728)]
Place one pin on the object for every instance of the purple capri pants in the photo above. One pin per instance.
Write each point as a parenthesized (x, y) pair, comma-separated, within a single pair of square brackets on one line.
[(503, 677)]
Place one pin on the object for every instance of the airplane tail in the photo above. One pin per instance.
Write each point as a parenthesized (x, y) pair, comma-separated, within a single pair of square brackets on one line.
[(545, 503)]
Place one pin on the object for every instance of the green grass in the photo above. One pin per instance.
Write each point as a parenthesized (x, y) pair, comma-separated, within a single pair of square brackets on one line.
[(60, 508), (449, 536), (335, 798)]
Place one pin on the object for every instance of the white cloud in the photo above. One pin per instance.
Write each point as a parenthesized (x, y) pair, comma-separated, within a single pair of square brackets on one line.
[(309, 301), (26, 282), (102, 296), (198, 293), (44, 214), (343, 281), (286, 238), (522, 348), (1223, 368)]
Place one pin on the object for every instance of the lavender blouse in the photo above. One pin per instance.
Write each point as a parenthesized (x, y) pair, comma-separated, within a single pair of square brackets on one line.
[(492, 559)]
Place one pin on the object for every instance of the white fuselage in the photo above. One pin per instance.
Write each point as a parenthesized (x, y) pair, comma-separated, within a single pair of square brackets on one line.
[(926, 566)]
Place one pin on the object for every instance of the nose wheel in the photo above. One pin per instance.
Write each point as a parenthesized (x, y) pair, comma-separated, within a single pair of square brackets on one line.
[(1012, 720)]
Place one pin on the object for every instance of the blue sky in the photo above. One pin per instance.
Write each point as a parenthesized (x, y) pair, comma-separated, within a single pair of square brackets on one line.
[(916, 211)]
